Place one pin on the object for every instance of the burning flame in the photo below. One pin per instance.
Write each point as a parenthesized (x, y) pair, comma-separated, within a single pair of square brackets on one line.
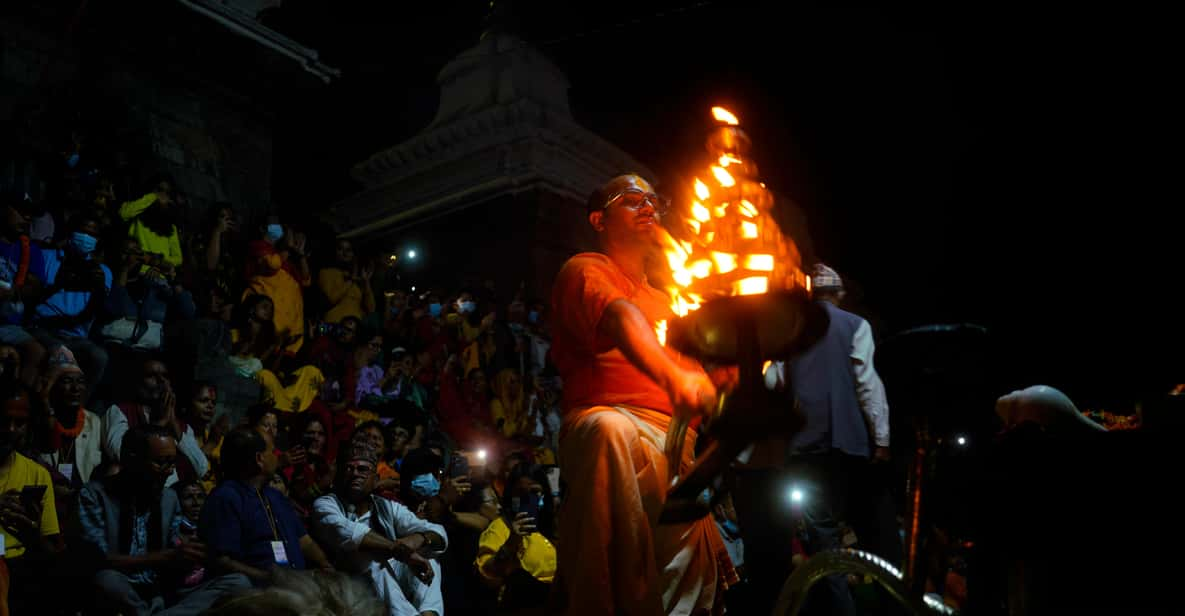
[(725, 262), (723, 115), (752, 286), (728, 244), (760, 263), (724, 177)]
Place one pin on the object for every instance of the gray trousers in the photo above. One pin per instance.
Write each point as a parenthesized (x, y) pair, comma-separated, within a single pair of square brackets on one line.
[(118, 592)]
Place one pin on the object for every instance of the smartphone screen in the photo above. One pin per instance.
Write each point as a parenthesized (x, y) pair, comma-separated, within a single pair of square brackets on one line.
[(31, 496), (530, 505), (460, 466), (553, 480)]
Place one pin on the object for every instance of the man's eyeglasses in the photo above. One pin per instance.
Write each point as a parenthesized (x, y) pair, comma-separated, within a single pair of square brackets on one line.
[(163, 464), (359, 469), (635, 199)]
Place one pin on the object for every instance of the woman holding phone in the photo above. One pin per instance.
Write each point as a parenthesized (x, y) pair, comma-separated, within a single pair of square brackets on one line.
[(512, 554)]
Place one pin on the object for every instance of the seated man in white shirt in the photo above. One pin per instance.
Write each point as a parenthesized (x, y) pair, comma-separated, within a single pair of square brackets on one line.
[(380, 539)]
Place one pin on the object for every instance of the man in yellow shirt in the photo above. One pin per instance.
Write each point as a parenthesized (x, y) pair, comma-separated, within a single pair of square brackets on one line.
[(28, 517), (152, 223)]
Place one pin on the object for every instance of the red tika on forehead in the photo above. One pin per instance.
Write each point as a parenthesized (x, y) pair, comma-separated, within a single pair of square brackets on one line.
[(629, 181)]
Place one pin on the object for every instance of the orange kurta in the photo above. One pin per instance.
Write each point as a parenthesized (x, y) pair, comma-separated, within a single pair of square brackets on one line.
[(594, 371), (618, 559)]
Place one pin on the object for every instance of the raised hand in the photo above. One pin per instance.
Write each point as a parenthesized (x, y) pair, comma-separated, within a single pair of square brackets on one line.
[(14, 517), (454, 488), (295, 456), (522, 525)]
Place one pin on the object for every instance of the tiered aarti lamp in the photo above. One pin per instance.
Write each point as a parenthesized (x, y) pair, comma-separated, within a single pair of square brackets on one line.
[(741, 298)]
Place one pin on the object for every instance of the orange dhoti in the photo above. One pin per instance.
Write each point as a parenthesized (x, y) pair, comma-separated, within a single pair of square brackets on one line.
[(614, 557)]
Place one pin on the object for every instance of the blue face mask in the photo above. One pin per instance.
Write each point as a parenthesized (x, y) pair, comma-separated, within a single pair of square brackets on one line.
[(72, 160), (426, 485), (394, 310), (533, 316), (435, 309), (467, 307), (83, 243), (731, 528), (275, 232)]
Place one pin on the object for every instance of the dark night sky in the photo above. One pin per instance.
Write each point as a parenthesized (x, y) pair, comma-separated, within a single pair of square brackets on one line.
[(994, 164)]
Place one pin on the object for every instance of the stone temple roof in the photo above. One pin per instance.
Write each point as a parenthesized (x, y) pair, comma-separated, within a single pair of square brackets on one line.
[(503, 126)]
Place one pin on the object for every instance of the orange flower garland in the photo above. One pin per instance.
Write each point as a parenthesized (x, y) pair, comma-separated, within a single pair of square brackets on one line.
[(60, 431)]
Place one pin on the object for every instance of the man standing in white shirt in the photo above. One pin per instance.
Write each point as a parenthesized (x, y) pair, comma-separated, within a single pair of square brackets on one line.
[(380, 539), (842, 400)]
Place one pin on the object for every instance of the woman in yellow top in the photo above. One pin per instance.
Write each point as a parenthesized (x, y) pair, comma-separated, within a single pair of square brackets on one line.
[(346, 286), (509, 406), (280, 273), (512, 555), (152, 223), (255, 352)]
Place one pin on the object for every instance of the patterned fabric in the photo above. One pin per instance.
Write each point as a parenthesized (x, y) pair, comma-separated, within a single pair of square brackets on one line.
[(823, 277), (61, 361)]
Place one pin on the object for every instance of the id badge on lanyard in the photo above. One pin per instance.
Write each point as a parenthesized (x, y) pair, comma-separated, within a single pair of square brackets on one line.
[(278, 552)]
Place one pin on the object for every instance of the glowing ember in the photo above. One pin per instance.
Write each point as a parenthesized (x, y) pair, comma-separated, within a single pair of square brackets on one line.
[(728, 243)]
